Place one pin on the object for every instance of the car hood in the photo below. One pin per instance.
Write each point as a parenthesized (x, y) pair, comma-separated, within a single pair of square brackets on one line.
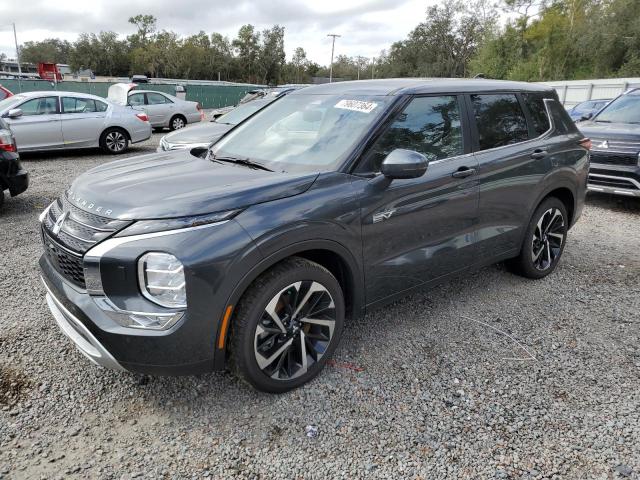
[(610, 131), (207, 132), (176, 184)]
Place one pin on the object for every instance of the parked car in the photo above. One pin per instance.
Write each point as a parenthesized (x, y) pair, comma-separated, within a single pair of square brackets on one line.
[(335, 199), (585, 110), (164, 110), (202, 136), (13, 177), (55, 120), (139, 79), (4, 93), (615, 135)]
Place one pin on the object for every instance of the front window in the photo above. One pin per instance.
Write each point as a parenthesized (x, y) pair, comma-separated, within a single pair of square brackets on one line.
[(624, 109), (40, 106), (304, 133)]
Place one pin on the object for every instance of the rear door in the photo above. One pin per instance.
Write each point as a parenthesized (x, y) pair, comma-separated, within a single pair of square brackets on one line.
[(39, 126), (159, 108), (415, 231), (513, 157), (82, 121)]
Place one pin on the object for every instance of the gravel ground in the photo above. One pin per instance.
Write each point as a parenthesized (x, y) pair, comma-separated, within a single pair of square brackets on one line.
[(490, 376)]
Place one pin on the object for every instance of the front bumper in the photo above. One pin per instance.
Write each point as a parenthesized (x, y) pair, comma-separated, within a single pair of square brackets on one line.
[(80, 335), (616, 180), (187, 347)]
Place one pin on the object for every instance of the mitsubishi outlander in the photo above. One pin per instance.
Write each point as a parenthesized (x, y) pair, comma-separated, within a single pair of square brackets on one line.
[(333, 200)]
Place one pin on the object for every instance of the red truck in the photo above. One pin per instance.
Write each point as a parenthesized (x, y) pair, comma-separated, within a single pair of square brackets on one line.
[(50, 72)]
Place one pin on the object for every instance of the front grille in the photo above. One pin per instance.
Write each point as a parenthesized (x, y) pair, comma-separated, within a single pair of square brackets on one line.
[(64, 261), (614, 158), (78, 232)]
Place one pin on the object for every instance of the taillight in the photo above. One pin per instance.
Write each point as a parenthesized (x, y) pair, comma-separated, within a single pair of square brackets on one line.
[(199, 107), (143, 116), (586, 143), (7, 143)]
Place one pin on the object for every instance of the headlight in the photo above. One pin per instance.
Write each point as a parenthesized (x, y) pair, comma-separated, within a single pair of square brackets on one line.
[(161, 279), (153, 226)]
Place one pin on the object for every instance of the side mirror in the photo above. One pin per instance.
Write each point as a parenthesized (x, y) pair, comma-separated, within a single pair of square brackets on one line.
[(402, 164), (586, 116), (15, 113)]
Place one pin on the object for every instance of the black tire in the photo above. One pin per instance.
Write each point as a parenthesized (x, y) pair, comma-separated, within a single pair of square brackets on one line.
[(281, 286), (177, 122), (114, 141), (158, 129), (544, 241)]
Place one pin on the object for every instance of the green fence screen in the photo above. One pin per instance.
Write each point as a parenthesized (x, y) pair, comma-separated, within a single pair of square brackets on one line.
[(209, 96)]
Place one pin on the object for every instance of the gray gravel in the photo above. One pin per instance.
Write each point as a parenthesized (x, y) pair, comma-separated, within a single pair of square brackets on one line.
[(489, 376)]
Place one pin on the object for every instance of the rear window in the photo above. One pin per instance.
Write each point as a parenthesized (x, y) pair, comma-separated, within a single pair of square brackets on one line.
[(500, 120), (538, 110)]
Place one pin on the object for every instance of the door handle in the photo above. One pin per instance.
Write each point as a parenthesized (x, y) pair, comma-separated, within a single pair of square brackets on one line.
[(539, 153), (463, 172)]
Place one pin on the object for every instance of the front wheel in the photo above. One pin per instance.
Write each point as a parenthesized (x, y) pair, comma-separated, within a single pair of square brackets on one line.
[(287, 325), (544, 240), (114, 141)]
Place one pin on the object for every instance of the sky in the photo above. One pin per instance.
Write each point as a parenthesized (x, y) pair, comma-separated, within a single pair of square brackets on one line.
[(366, 26)]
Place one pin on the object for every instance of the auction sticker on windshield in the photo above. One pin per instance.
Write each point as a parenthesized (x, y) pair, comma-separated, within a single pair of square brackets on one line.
[(356, 105)]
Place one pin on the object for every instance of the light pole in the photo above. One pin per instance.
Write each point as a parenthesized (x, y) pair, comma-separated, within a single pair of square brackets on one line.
[(333, 44), (373, 64), (15, 39)]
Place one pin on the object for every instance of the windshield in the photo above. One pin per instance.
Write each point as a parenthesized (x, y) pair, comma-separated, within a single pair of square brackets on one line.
[(241, 112), (304, 133), (10, 101), (624, 109)]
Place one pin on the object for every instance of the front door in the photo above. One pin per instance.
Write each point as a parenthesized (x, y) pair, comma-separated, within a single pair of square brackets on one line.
[(39, 126), (416, 231), (82, 120)]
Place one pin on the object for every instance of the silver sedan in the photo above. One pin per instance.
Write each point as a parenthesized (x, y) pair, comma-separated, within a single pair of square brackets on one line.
[(164, 110), (53, 120)]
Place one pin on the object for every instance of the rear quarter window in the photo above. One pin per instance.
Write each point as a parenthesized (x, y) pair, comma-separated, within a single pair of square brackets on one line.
[(537, 109), (562, 123)]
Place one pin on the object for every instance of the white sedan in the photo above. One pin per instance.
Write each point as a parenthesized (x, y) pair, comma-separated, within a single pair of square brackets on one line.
[(164, 110), (51, 120)]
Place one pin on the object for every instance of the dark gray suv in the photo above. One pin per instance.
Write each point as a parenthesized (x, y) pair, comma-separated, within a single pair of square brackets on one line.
[(331, 201)]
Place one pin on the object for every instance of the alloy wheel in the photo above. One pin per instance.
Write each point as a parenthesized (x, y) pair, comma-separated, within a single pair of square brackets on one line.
[(548, 237), (295, 330), (115, 141), (177, 123)]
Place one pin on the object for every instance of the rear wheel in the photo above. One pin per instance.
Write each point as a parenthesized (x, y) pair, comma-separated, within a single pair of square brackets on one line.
[(286, 326), (177, 122), (544, 240), (114, 141)]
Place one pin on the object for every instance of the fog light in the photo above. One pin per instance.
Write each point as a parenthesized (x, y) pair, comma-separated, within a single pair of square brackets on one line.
[(142, 320), (161, 278)]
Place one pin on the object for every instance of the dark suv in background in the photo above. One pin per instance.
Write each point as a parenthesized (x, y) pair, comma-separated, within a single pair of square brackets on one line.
[(333, 200), (615, 156)]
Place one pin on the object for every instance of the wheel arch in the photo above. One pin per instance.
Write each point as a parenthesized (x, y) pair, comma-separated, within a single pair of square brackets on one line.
[(178, 114), (113, 127)]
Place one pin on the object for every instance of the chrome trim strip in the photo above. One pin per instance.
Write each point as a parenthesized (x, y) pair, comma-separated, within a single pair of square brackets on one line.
[(75, 220), (614, 190), (102, 248), (630, 180), (80, 335), (76, 237)]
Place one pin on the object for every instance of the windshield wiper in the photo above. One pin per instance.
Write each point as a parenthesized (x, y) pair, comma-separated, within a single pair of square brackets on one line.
[(240, 161)]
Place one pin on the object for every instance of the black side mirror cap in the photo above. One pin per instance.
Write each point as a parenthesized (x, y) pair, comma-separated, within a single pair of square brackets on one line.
[(404, 164)]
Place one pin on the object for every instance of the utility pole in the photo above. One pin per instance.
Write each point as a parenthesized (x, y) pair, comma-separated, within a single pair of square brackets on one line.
[(373, 64), (333, 44), (15, 39)]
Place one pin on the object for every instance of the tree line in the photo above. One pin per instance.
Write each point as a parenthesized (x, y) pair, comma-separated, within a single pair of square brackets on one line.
[(541, 40)]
